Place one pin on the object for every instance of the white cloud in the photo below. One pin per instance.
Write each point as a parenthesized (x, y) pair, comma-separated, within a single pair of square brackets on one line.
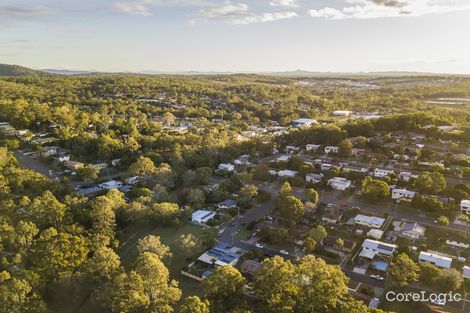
[(238, 13), (142, 7), (367, 9), (284, 3), (24, 11), (134, 8)]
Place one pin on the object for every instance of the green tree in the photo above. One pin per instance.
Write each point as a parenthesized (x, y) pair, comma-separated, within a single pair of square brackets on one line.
[(345, 148), (165, 213), (291, 209), (249, 191), (318, 233), (311, 195), (193, 304), (58, 254), (88, 172), (165, 176), (162, 292), (449, 279), (152, 244), (310, 244), (374, 190), (403, 271), (224, 289), (46, 211), (142, 167), (443, 220), (103, 265)]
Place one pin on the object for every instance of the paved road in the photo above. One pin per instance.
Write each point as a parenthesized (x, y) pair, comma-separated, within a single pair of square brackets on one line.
[(34, 164)]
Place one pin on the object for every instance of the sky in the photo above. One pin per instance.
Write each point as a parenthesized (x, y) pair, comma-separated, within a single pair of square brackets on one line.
[(237, 35)]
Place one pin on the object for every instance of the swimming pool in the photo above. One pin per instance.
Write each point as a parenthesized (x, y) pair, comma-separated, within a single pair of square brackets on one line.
[(380, 265)]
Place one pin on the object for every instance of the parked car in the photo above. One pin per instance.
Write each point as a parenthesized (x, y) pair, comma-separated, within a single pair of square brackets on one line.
[(258, 245), (438, 302), (378, 277), (284, 252)]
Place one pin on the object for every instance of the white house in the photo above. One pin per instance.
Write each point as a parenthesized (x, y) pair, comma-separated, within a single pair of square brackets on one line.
[(303, 122), (287, 173), (339, 183), (407, 230), (375, 233), (312, 147), (133, 180), (402, 194), (112, 184), (437, 260), (326, 166), (381, 172), (292, 149), (202, 216), (243, 159), (407, 176), (465, 206), (341, 113), (370, 248), (466, 272), (227, 167), (49, 151), (369, 221), (313, 178), (331, 149), (283, 158), (62, 157)]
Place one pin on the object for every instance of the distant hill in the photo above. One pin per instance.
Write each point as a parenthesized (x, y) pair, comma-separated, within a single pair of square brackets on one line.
[(19, 71), (65, 72)]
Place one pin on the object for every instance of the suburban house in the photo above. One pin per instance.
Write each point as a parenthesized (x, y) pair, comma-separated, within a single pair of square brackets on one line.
[(332, 216), (354, 168), (325, 166), (371, 248), (90, 191), (222, 254), (227, 167), (49, 151), (330, 241), (287, 174), (249, 268), (369, 221), (112, 184), (227, 204), (303, 122), (133, 180), (242, 160), (436, 259), (466, 272), (314, 178), (331, 149), (407, 176), (62, 157), (312, 147), (202, 216), (381, 172), (292, 149), (408, 230), (357, 152), (339, 183), (456, 244), (402, 194), (73, 165), (342, 113), (7, 129), (375, 233), (465, 206), (283, 158)]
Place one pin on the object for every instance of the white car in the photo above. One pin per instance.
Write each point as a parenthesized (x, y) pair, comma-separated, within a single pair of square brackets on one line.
[(258, 245), (378, 277), (284, 252)]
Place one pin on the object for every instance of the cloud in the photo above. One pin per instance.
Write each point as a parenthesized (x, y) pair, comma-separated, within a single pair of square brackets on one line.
[(238, 13), (284, 3), (24, 11), (368, 9), (134, 8), (143, 7)]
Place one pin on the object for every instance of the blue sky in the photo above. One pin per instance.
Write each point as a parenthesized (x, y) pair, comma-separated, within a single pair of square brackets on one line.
[(237, 35)]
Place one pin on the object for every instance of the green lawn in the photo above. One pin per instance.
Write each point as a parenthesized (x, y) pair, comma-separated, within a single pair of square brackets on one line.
[(168, 236)]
